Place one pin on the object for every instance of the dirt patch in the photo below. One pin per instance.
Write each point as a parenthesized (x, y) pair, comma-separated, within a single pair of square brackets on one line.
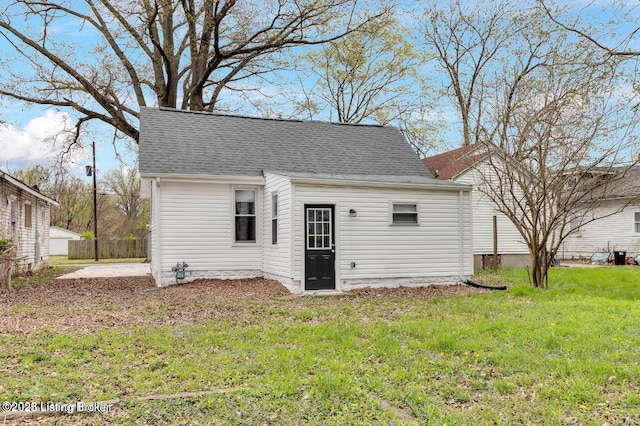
[(91, 304)]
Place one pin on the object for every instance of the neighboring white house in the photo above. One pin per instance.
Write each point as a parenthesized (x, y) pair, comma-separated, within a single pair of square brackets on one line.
[(617, 222), (315, 205), (618, 231), (59, 240), (24, 219), (467, 165)]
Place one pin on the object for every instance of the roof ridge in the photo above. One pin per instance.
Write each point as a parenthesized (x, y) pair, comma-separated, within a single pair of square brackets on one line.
[(250, 117)]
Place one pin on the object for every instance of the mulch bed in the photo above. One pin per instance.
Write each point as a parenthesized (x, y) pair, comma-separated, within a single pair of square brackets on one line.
[(91, 304)]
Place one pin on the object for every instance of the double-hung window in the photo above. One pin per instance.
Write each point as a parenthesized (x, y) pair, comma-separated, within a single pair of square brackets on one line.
[(637, 217), (245, 215), (274, 218)]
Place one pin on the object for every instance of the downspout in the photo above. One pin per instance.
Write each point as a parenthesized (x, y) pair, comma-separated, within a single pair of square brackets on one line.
[(36, 248), (461, 249), (461, 235), (158, 235)]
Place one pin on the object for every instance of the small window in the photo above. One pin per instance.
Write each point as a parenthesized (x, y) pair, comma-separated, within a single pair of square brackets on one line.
[(404, 214), (245, 216), (638, 222), (574, 223), (27, 215), (274, 218)]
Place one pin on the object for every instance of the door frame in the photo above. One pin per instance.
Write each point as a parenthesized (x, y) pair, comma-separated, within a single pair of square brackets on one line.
[(334, 236)]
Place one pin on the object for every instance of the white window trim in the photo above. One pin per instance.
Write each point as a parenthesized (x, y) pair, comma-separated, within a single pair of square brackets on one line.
[(275, 216), (393, 202), (257, 200), (635, 222)]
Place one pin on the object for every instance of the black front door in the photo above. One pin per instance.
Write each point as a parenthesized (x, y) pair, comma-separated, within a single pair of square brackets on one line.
[(320, 252)]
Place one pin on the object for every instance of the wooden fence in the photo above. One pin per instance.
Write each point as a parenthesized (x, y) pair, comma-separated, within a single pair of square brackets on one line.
[(109, 249)]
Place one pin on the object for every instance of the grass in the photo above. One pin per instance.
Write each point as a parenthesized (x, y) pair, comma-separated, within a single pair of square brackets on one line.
[(567, 355), (63, 260), (35, 278)]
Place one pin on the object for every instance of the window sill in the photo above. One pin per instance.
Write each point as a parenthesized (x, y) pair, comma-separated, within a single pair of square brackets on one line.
[(404, 224), (247, 244)]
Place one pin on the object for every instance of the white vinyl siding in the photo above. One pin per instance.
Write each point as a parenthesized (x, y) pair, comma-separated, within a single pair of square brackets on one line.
[(154, 230), (510, 240), (617, 231), (430, 249), (197, 227), (277, 257)]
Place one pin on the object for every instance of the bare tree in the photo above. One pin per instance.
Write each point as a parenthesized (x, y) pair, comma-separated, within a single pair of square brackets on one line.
[(552, 116), (623, 47), (123, 185), (71, 192), (373, 73), (75, 199), (565, 146), (469, 42), (173, 53)]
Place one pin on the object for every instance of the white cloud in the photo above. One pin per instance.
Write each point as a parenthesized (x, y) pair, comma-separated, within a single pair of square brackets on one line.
[(37, 141)]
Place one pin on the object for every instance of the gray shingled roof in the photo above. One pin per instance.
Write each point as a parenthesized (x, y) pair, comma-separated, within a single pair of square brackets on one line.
[(175, 141)]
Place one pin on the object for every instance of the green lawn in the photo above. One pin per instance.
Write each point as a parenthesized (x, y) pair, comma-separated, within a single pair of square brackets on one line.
[(567, 355)]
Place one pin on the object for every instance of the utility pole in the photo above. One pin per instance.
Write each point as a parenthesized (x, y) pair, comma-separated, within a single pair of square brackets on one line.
[(95, 203), (91, 171)]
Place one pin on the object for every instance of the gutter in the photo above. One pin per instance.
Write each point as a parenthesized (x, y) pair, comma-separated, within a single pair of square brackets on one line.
[(203, 178), (379, 184)]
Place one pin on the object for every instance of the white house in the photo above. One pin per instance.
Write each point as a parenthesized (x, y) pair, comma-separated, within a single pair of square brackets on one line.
[(617, 229), (612, 224), (467, 165), (314, 205), (24, 219), (59, 240)]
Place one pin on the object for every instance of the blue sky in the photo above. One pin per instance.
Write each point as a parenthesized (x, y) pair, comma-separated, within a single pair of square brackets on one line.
[(28, 136)]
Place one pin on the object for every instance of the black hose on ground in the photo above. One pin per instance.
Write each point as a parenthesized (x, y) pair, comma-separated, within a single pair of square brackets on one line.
[(488, 287)]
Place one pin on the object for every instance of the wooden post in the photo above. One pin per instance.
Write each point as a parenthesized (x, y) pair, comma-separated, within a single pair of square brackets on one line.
[(495, 242), (9, 275)]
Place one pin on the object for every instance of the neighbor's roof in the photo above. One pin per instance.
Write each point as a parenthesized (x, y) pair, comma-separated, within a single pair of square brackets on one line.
[(33, 190), (451, 163), (609, 183), (175, 141)]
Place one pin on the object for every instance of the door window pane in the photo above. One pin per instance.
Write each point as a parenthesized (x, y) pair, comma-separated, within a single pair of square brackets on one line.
[(319, 228)]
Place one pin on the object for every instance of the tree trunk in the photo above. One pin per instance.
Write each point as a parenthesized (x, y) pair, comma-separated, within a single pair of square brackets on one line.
[(539, 268)]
